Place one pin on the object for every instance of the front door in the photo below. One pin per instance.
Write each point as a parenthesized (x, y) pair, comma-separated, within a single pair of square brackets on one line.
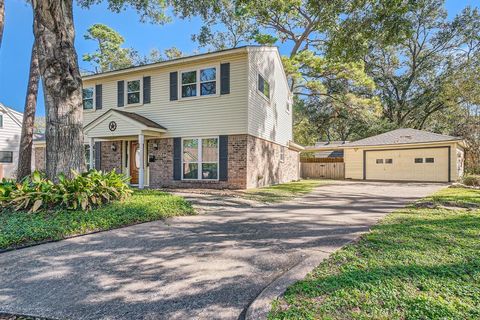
[(134, 162)]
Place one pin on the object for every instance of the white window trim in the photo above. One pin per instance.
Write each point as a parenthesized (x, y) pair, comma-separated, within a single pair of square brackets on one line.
[(289, 105), (93, 99), (87, 162), (268, 99), (198, 69), (125, 92), (200, 160)]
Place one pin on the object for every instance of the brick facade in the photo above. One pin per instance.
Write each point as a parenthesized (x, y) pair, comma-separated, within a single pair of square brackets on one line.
[(161, 171), (110, 159), (265, 166), (252, 162)]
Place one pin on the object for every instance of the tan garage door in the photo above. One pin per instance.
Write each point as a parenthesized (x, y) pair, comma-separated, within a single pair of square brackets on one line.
[(408, 164)]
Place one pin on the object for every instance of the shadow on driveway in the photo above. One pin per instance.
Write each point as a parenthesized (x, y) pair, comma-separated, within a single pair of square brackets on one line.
[(203, 267)]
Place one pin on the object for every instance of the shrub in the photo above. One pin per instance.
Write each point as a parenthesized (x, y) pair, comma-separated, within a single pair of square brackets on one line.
[(471, 180), (86, 190)]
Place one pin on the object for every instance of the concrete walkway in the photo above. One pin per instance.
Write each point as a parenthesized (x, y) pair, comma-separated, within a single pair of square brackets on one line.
[(201, 267)]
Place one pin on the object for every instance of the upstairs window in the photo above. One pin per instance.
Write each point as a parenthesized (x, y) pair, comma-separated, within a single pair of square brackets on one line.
[(201, 82), (208, 81), (88, 94), (418, 160), (264, 86), (379, 161), (429, 160), (389, 161), (189, 84), (1, 121), (133, 91)]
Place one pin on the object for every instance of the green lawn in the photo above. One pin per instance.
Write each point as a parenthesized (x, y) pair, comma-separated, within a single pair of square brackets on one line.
[(20, 228), (284, 191), (418, 263)]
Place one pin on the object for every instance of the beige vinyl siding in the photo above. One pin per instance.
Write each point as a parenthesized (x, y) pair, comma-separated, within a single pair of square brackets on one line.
[(268, 120), (125, 127), (200, 116), (353, 163), (9, 140)]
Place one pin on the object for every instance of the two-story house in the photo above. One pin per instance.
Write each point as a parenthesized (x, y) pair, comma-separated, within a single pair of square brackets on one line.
[(10, 132), (221, 120)]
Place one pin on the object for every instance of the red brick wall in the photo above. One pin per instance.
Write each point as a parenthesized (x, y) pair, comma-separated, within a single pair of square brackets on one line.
[(265, 166), (252, 162), (111, 159), (161, 171)]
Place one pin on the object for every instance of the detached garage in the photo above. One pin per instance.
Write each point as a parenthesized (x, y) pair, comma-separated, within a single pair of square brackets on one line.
[(405, 155)]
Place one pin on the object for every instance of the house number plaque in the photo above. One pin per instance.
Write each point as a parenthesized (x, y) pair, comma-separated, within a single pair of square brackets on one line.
[(112, 126)]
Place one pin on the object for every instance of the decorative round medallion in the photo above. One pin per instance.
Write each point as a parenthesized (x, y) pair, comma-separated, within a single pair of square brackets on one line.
[(112, 126)]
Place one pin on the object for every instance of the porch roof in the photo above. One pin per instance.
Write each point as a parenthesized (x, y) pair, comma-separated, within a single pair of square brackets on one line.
[(118, 123)]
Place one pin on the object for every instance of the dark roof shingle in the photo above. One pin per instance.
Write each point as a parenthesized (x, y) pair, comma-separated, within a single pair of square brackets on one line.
[(141, 119)]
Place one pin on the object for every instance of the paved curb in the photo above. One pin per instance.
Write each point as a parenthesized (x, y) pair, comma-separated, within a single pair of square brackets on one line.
[(260, 307)]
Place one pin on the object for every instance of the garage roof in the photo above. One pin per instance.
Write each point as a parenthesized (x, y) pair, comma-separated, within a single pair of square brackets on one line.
[(402, 136)]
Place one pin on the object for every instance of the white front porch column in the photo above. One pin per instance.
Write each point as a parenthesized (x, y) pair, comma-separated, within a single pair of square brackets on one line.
[(141, 171), (92, 145)]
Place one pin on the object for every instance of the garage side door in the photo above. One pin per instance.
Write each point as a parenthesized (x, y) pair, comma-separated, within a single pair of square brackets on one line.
[(408, 165)]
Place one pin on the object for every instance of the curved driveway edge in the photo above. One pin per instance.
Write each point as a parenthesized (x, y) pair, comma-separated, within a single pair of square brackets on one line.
[(197, 267), (261, 306)]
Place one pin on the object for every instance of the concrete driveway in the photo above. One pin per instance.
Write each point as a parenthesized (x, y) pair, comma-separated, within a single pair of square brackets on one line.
[(201, 267)]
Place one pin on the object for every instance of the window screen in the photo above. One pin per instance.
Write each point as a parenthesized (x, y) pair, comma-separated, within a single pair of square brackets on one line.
[(6, 156)]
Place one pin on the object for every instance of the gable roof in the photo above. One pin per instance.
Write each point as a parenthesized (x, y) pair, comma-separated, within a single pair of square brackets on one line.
[(144, 122), (325, 146), (16, 116), (402, 136), (141, 119)]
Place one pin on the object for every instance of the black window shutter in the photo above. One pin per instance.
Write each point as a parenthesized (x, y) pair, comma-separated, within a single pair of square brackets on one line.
[(173, 86), (98, 96), (223, 158), (225, 78), (177, 158), (98, 155), (146, 89), (120, 93)]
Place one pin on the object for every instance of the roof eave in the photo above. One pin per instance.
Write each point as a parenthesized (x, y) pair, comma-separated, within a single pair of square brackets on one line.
[(166, 63), (401, 144)]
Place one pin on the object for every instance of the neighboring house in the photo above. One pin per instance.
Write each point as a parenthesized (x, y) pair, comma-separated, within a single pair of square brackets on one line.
[(220, 120), (401, 155), (329, 150), (10, 132)]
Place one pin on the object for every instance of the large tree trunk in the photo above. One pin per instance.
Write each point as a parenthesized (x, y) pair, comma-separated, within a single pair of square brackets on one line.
[(62, 84), (2, 19), (26, 141)]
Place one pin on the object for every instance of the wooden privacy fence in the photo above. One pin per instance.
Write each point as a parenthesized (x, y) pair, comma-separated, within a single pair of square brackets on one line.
[(319, 170)]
